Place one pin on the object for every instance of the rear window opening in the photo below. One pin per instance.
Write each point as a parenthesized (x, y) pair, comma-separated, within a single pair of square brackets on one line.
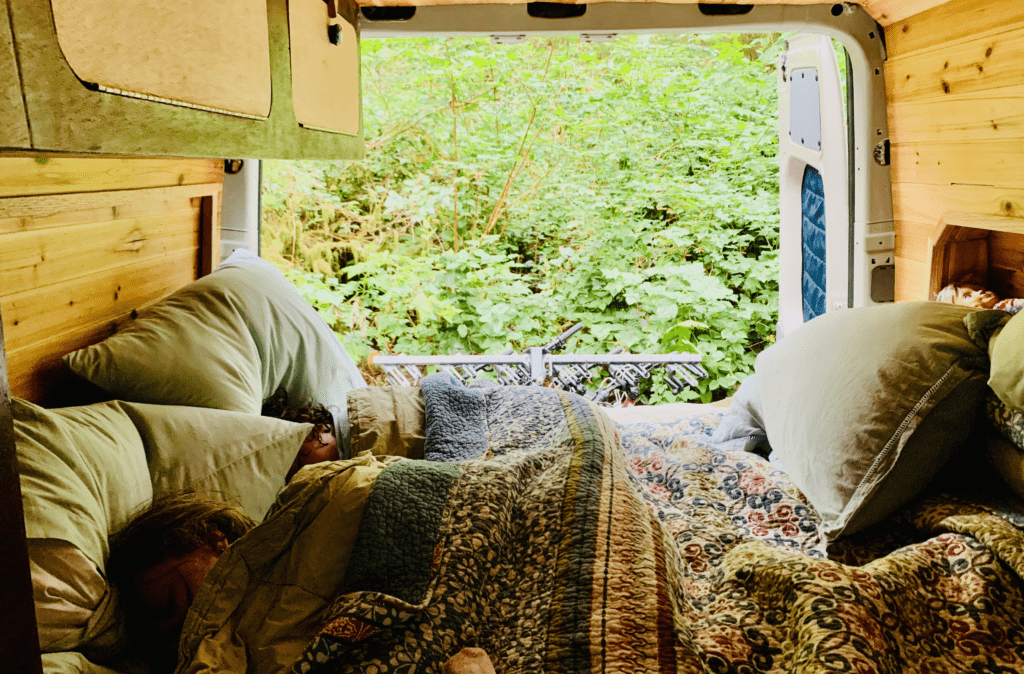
[(509, 192)]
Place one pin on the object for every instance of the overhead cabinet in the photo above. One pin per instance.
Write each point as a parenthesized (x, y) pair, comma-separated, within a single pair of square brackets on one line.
[(232, 78)]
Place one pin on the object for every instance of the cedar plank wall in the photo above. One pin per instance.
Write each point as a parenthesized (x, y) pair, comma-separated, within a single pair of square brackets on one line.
[(955, 83), (84, 242)]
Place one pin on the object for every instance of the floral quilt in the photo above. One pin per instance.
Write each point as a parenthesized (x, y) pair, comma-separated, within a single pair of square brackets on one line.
[(558, 542)]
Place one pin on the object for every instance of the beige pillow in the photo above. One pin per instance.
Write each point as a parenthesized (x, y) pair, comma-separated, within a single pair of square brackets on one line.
[(230, 456), (862, 407), (387, 420)]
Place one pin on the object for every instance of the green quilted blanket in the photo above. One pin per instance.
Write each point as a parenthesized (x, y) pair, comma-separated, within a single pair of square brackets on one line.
[(541, 533)]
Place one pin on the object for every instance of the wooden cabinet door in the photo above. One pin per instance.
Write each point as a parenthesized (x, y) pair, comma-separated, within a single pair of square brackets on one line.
[(212, 55), (325, 73), (13, 120)]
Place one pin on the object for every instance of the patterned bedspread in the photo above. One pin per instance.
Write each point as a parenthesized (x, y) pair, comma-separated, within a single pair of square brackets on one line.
[(557, 542)]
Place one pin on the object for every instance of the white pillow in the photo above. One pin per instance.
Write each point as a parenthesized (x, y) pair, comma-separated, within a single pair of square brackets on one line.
[(298, 351)]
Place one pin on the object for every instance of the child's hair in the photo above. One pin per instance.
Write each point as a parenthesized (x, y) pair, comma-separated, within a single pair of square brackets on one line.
[(308, 413), (173, 526)]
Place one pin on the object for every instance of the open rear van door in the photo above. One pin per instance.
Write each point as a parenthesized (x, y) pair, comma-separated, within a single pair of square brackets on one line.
[(815, 220)]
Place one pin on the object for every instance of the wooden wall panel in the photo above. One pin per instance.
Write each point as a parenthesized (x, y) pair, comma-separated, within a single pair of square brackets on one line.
[(30, 176), (996, 114), (995, 163), (955, 81), (915, 31), (86, 242), (954, 69)]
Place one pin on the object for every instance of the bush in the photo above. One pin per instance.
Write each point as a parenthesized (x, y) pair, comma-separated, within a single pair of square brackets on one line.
[(510, 191)]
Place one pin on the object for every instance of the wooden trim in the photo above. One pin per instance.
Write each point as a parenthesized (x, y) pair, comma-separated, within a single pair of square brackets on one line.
[(19, 645), (996, 223), (970, 231), (23, 176), (49, 205), (209, 233)]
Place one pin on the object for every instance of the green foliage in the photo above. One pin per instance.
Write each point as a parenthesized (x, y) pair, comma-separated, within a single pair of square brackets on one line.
[(509, 191)]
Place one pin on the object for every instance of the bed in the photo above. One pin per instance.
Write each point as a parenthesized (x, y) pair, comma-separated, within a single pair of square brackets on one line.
[(779, 534)]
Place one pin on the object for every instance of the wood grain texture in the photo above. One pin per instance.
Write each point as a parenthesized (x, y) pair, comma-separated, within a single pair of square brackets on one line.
[(956, 120), (39, 375), (975, 248), (912, 240), (161, 49), (945, 24), (1006, 263), (992, 163), (887, 12), (33, 258), (1007, 250), (22, 214), (996, 114), (325, 76), (22, 176), (37, 314), (13, 120), (87, 241), (963, 67), (912, 279), (927, 203), (978, 225), (19, 647)]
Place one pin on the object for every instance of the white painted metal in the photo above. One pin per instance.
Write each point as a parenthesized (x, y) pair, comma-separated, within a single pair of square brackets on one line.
[(240, 212), (812, 55)]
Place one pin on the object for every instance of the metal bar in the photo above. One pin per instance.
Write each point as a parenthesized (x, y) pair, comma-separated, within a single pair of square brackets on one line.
[(624, 358), (555, 359), (538, 373), (512, 359), (560, 341), (19, 643)]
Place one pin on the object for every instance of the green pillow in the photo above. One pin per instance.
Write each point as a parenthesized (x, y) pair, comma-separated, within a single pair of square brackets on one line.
[(227, 341), (1007, 351), (234, 457), (192, 348), (83, 473), (864, 406)]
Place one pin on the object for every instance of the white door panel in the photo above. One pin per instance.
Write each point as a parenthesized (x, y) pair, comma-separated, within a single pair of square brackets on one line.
[(812, 133)]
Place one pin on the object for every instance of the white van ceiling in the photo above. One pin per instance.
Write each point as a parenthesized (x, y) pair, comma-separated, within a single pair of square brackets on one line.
[(884, 11)]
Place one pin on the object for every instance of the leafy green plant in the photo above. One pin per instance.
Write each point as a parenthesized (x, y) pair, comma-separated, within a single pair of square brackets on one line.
[(510, 191)]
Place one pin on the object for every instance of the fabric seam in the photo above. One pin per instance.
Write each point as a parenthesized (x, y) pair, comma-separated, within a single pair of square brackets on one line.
[(928, 395)]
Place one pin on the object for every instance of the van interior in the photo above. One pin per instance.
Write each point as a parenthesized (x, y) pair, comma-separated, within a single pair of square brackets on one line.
[(131, 136)]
